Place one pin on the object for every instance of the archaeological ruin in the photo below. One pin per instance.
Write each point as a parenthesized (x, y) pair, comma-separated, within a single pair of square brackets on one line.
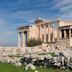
[(56, 32)]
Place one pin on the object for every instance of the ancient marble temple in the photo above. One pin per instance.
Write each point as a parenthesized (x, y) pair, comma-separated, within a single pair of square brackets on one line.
[(57, 33)]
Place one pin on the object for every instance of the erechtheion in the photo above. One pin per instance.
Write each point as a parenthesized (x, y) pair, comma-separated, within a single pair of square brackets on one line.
[(57, 32)]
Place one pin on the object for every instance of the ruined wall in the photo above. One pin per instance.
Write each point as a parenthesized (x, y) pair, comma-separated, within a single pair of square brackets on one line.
[(71, 42), (63, 43), (33, 32)]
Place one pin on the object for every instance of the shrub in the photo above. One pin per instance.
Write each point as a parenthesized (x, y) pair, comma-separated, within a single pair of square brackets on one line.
[(33, 42)]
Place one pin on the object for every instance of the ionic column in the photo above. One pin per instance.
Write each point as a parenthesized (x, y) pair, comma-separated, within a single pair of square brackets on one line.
[(53, 39), (64, 33), (18, 39), (49, 37), (53, 32), (22, 39), (44, 34), (69, 33)]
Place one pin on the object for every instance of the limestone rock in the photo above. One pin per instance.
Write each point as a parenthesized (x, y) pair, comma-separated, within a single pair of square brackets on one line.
[(31, 66)]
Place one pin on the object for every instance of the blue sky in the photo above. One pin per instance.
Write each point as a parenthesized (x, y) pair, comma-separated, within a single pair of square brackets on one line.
[(21, 12)]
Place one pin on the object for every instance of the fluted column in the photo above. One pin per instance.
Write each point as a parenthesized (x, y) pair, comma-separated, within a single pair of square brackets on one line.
[(53, 32), (22, 39), (44, 33), (53, 39), (18, 39), (49, 37)]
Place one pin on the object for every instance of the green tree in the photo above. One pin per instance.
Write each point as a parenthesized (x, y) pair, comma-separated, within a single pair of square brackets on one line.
[(33, 42)]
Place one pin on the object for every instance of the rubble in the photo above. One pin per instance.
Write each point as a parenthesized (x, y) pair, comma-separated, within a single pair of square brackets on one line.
[(59, 58), (31, 66)]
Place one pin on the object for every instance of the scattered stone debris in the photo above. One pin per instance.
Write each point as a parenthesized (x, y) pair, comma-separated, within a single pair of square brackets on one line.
[(31, 66), (58, 58)]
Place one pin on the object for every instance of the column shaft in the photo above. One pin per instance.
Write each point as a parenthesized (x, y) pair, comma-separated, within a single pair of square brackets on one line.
[(18, 40), (22, 39), (53, 39), (60, 34), (53, 32), (49, 37), (44, 33)]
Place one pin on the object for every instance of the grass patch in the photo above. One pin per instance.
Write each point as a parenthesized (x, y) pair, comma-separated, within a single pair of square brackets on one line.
[(4, 67)]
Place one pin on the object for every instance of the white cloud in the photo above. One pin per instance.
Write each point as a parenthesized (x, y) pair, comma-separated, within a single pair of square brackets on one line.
[(65, 9), (60, 3)]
